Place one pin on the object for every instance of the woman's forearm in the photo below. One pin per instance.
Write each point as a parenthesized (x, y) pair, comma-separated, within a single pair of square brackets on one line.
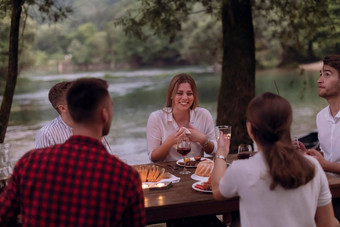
[(220, 167), (161, 152)]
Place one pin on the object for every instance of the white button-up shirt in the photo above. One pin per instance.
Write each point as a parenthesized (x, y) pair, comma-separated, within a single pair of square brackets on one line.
[(329, 134), (161, 125), (55, 132)]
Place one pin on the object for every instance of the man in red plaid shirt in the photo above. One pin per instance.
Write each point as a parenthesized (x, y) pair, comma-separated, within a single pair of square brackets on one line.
[(77, 183)]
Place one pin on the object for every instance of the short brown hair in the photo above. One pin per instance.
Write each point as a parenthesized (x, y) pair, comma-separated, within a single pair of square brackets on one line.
[(270, 117), (57, 93), (333, 61), (173, 86), (84, 97)]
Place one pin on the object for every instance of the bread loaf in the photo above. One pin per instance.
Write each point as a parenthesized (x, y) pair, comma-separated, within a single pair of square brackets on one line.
[(150, 173), (205, 168)]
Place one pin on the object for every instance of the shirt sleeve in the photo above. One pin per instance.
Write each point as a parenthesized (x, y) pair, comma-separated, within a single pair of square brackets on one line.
[(318, 125), (325, 196), (228, 183), (153, 133), (135, 213)]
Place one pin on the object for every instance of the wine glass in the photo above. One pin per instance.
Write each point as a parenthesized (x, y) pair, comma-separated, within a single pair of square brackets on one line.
[(184, 147), (226, 129), (244, 151)]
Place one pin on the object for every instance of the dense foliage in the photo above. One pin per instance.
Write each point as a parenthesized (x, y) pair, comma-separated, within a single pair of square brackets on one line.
[(48, 10), (90, 37)]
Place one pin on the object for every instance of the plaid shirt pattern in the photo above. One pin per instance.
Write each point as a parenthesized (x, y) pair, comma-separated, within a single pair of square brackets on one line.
[(73, 184)]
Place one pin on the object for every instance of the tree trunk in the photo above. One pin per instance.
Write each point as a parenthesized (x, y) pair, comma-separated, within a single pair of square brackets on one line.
[(12, 67), (238, 69)]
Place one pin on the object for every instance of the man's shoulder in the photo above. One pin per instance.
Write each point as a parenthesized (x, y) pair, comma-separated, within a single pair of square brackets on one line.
[(55, 125), (36, 152), (325, 109), (51, 124), (323, 113), (127, 174)]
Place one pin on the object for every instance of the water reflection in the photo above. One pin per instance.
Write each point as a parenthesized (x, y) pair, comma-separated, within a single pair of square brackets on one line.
[(137, 93)]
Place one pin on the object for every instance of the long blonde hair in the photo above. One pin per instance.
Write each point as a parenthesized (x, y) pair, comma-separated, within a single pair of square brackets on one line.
[(270, 116)]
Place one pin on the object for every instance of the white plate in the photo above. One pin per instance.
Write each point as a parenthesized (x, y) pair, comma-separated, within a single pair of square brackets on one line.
[(199, 178), (200, 190), (191, 159)]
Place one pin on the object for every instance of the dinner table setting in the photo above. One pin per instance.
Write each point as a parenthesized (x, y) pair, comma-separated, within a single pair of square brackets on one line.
[(182, 188), (182, 195), (188, 195)]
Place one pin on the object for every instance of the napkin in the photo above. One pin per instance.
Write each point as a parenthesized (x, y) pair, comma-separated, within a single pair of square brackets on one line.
[(187, 131), (172, 179)]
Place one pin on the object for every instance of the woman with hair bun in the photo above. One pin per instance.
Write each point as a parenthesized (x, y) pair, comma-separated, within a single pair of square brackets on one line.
[(279, 186)]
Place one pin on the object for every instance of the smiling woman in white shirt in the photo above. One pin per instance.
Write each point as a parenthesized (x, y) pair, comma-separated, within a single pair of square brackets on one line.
[(165, 126)]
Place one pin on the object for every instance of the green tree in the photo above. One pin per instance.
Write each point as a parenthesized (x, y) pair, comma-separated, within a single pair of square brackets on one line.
[(88, 46), (4, 29), (201, 40), (48, 9), (52, 39), (300, 27), (237, 87)]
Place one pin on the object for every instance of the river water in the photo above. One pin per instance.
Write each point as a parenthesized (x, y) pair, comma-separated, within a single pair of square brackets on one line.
[(137, 93)]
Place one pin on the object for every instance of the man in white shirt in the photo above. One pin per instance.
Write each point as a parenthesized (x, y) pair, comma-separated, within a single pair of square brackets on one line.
[(328, 120), (59, 129)]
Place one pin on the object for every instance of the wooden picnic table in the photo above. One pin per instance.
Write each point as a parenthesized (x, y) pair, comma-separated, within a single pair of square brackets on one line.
[(181, 200)]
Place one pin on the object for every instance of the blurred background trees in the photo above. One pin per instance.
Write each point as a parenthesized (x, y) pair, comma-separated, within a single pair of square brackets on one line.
[(88, 38)]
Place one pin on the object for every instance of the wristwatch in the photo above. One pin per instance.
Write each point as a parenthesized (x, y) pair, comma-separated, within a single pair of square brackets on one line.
[(221, 157)]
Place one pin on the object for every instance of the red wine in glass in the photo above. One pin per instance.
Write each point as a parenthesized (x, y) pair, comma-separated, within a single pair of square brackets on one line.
[(243, 155), (183, 151), (184, 147), (244, 151)]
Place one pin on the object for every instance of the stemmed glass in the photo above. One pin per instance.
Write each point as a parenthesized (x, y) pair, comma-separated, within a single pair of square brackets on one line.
[(244, 151), (184, 147)]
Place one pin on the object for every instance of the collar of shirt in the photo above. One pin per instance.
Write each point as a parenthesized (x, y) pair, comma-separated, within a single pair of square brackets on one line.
[(63, 122), (329, 116), (85, 140), (170, 118)]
